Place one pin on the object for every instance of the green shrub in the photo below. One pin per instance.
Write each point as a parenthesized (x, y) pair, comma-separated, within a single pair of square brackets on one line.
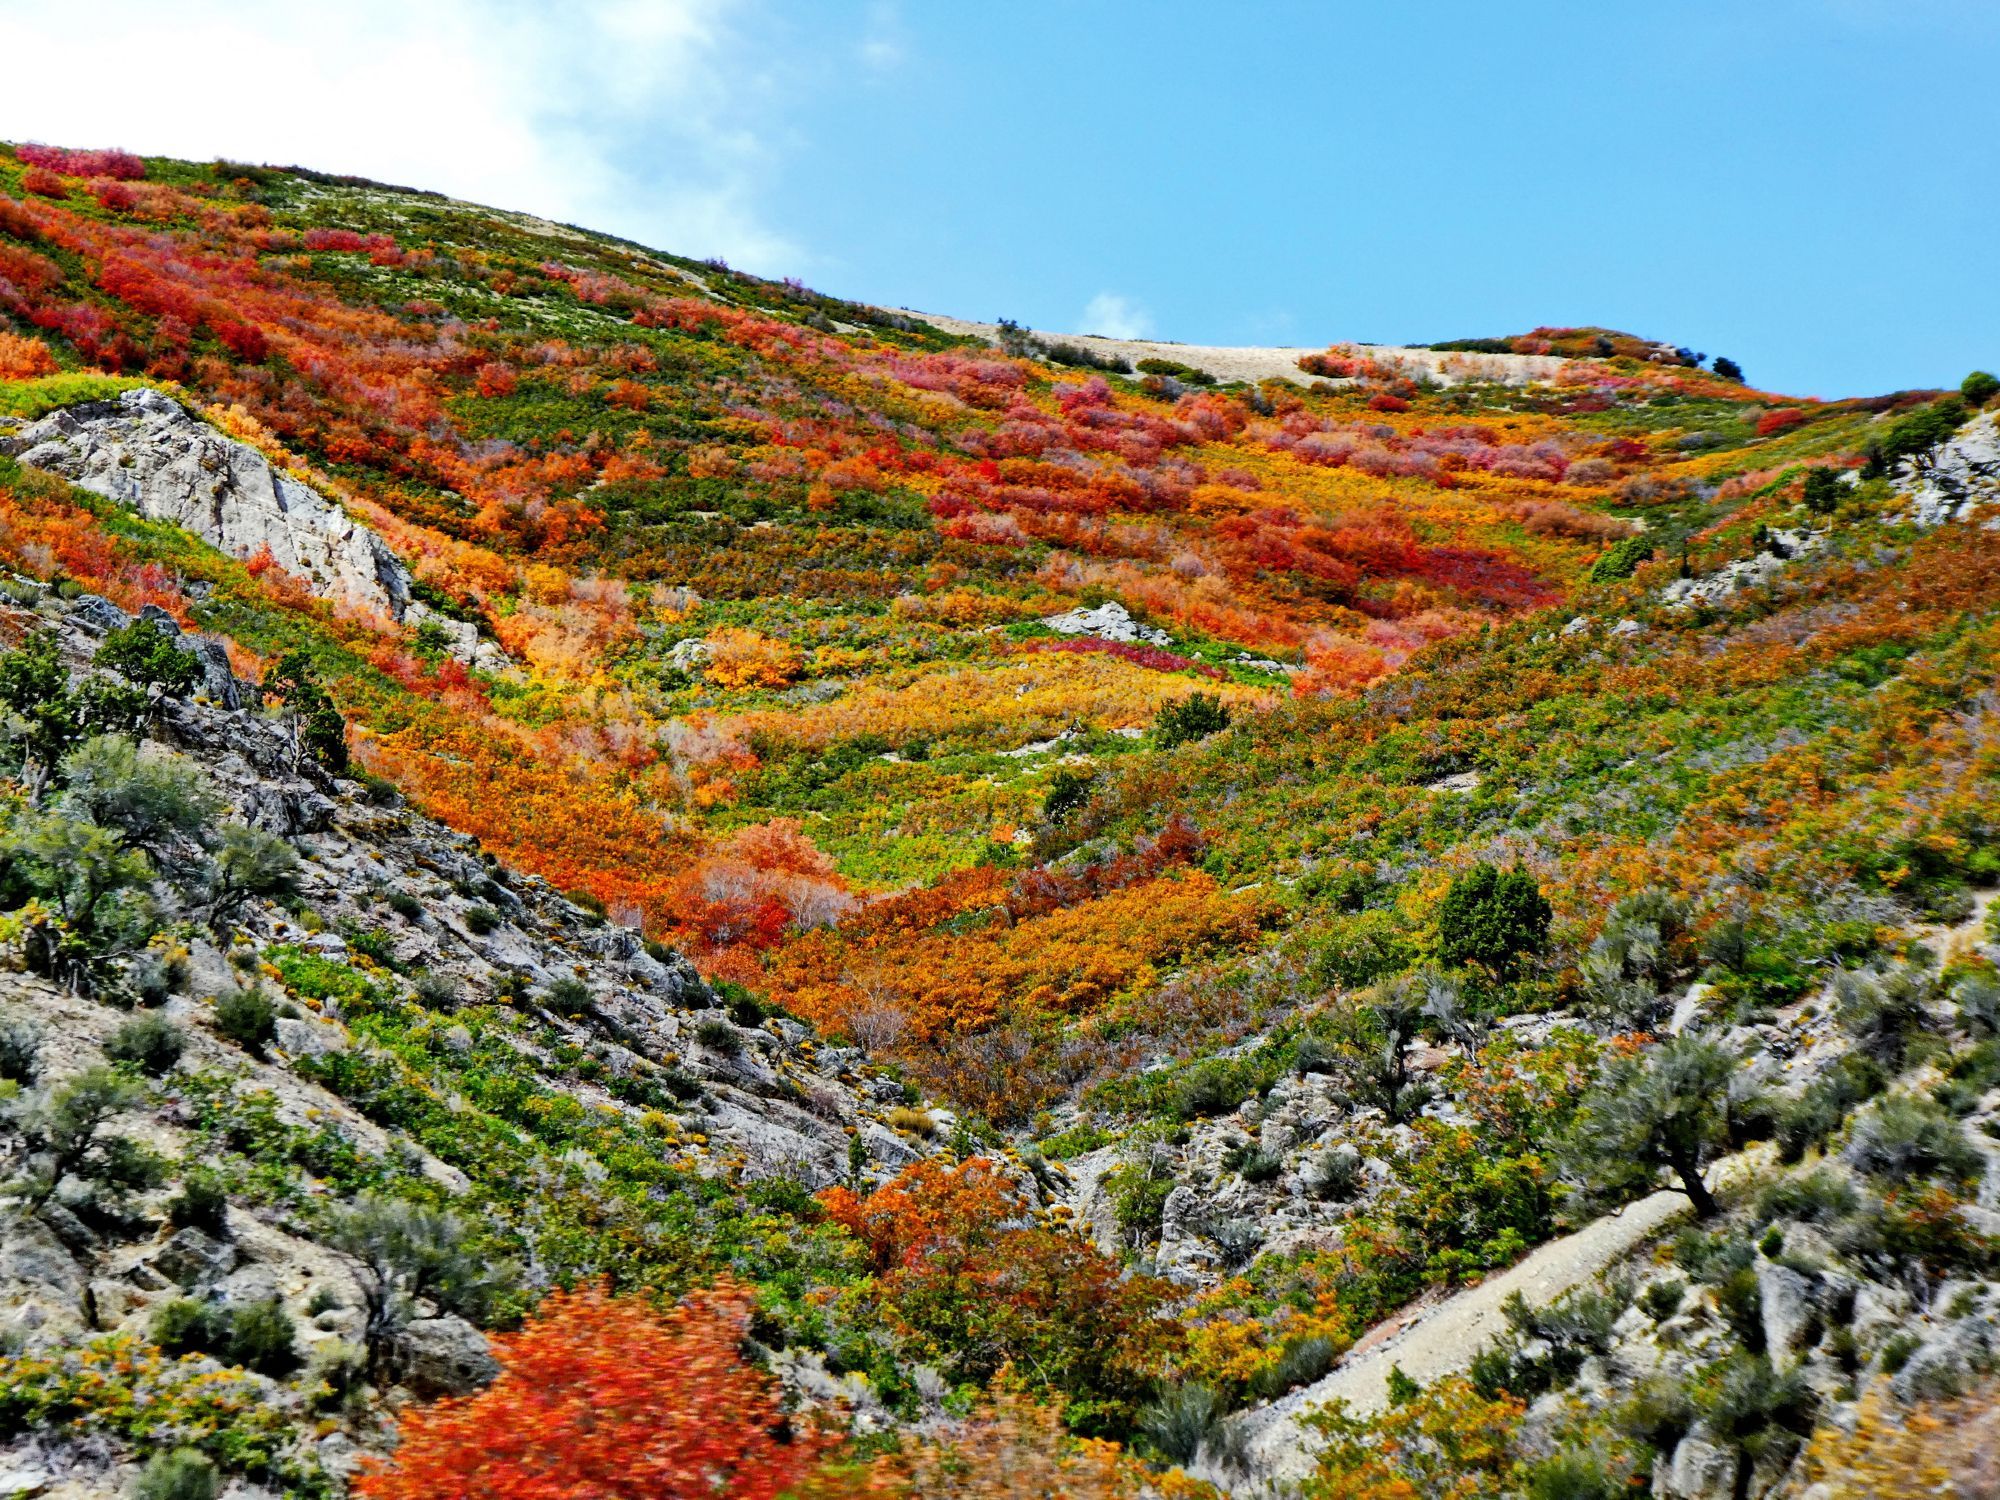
[(1361, 949), (1253, 1164), (719, 1036), (247, 1018), (405, 905), (1904, 1137), (567, 996), (1194, 717), (436, 991), (1978, 388), (150, 1042), (1336, 1176), (1207, 1091), (1621, 559), (480, 920), (202, 1203), (262, 1337), (183, 1474), (1493, 918), (1662, 1299), (187, 1325), (1183, 1421)]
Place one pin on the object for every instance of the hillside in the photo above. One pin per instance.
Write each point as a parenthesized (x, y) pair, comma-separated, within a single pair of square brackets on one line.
[(1082, 881)]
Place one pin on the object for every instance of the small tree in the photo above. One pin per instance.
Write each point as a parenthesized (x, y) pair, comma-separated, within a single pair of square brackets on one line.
[(1493, 918), (63, 1131), (1377, 1036), (1821, 492), (1978, 388), (1194, 717), (1728, 369), (318, 731), (248, 863), (407, 1252), (147, 801), (1668, 1107), (145, 655)]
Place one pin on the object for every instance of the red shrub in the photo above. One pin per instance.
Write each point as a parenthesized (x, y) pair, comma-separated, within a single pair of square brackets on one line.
[(44, 184), (119, 164)]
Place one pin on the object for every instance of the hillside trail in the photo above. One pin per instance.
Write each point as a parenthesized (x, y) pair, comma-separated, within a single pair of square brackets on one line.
[(1433, 1340), (1277, 362)]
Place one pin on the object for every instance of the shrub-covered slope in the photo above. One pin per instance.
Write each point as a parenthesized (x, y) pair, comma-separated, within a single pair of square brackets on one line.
[(1271, 825)]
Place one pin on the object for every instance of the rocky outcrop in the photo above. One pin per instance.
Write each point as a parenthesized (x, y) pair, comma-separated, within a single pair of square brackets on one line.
[(146, 451), (1957, 477), (1108, 622)]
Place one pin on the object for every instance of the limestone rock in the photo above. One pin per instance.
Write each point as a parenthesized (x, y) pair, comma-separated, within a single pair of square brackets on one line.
[(1108, 622), (146, 451), (1698, 1470), (1791, 1320), (444, 1357)]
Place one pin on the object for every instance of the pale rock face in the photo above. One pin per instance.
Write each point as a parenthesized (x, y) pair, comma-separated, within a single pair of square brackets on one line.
[(145, 451), (1959, 477), (1108, 622)]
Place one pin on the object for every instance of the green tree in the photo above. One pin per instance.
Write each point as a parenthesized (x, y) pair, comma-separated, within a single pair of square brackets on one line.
[(144, 654), (1493, 918), (1822, 491), (1067, 792), (147, 801), (1728, 369), (1665, 1108), (249, 862), (317, 728), (1978, 388)]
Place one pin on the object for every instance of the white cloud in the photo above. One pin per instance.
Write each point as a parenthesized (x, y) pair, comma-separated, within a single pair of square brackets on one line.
[(638, 116), (882, 49), (1116, 317)]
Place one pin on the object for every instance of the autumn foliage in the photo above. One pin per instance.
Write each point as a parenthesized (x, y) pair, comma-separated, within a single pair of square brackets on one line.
[(958, 1261), (605, 1398)]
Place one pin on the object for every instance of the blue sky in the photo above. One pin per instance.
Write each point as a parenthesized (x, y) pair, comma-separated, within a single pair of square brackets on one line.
[(1805, 185)]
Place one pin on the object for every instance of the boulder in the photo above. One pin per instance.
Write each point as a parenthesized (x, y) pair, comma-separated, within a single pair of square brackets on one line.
[(1790, 1316), (1108, 622), (98, 615), (192, 1258), (443, 1357), (1698, 1470)]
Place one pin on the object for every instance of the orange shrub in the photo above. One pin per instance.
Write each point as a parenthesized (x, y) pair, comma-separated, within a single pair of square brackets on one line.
[(746, 658), (24, 359), (605, 1398)]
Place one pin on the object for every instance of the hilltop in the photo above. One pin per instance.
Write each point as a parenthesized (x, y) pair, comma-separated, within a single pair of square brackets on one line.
[(1089, 885)]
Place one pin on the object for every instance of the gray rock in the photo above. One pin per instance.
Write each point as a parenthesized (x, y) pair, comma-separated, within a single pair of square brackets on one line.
[(218, 682), (145, 451), (1108, 622), (98, 615), (1698, 1470), (31, 1257), (301, 1037), (18, 1484), (1791, 1320), (192, 1258), (443, 1357)]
